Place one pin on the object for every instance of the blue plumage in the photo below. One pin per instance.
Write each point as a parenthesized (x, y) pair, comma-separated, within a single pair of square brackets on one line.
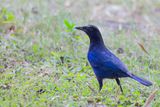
[(104, 63)]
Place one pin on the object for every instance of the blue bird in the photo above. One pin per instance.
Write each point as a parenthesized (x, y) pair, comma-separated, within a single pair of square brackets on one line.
[(104, 63)]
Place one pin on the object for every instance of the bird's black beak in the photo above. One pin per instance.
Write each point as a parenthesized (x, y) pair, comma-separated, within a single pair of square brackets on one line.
[(79, 28)]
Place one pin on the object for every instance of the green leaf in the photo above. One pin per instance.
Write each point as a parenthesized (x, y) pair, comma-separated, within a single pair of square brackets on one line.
[(6, 16), (35, 48), (1, 66), (69, 25)]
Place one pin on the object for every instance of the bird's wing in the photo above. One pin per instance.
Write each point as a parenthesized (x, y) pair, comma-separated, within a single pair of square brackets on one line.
[(116, 64), (107, 61)]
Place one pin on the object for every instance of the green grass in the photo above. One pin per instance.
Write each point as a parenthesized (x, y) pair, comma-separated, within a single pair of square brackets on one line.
[(43, 63)]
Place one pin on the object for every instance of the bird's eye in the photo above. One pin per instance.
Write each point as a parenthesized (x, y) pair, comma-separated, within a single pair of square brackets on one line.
[(90, 29)]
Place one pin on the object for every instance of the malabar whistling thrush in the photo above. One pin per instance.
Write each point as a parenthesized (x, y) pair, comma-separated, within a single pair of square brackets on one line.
[(104, 63)]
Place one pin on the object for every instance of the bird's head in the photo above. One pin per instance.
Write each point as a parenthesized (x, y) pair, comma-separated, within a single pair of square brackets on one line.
[(90, 30), (93, 33)]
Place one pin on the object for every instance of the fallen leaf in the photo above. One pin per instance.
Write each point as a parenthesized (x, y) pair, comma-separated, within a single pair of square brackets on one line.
[(90, 87), (120, 50), (150, 98), (12, 28), (142, 47)]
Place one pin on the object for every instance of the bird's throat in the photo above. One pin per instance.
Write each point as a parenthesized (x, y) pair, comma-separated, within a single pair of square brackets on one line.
[(96, 43)]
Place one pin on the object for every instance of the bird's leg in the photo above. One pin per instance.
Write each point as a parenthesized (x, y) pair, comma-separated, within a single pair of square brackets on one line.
[(118, 82), (100, 81)]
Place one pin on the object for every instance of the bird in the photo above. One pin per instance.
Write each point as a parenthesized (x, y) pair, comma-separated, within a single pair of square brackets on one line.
[(104, 63)]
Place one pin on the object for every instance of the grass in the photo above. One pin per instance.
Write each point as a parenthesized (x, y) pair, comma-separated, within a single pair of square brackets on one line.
[(44, 64)]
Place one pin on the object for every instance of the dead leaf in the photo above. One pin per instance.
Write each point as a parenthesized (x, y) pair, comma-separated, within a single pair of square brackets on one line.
[(120, 51), (142, 47), (150, 98), (35, 10), (12, 28), (5, 86), (90, 87)]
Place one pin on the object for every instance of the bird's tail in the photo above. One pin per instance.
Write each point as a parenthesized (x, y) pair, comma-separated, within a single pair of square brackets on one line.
[(141, 80)]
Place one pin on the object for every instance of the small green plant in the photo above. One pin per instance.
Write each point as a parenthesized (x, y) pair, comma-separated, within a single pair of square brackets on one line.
[(69, 25), (6, 16)]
